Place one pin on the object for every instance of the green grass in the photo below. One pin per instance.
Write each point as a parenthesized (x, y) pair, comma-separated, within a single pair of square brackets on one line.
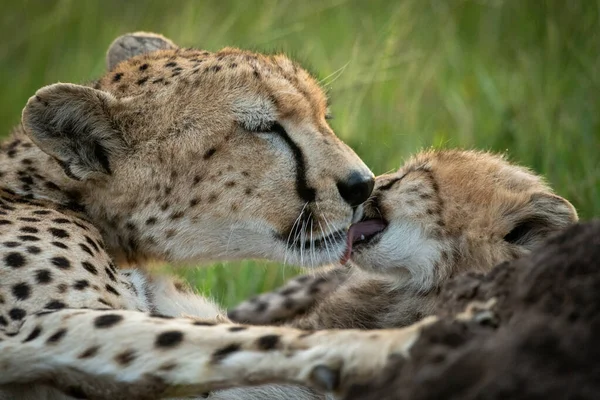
[(515, 76)]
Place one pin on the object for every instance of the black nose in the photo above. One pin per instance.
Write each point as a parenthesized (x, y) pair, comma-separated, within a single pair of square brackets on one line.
[(357, 188)]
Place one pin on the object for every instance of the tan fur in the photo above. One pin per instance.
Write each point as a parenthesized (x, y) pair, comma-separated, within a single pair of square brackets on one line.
[(175, 154), (174, 141), (448, 212)]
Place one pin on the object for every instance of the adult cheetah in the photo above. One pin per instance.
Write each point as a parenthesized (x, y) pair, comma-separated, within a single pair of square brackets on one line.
[(174, 154)]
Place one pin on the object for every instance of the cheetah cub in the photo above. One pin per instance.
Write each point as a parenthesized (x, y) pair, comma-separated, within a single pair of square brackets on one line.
[(443, 213)]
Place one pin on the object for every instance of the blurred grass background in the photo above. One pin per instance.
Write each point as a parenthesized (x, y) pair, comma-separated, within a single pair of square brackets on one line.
[(521, 76)]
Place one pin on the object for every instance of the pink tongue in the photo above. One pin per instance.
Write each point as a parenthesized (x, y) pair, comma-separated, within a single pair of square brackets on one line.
[(366, 228)]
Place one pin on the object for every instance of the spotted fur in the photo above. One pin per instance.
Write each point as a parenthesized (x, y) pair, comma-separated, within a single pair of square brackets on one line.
[(173, 155), (448, 212)]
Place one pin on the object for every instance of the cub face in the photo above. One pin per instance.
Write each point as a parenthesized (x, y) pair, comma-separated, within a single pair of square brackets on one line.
[(445, 212), (203, 155)]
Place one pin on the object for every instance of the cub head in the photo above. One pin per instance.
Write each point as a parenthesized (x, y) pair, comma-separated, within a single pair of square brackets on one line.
[(445, 212), (182, 154)]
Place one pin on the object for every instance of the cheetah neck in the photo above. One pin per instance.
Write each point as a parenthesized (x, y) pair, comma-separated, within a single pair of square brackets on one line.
[(28, 172)]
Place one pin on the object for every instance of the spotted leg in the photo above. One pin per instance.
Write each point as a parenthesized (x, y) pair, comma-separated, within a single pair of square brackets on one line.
[(129, 355), (293, 299)]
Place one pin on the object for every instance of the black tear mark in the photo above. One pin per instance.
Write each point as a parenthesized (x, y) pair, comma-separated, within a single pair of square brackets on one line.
[(305, 192)]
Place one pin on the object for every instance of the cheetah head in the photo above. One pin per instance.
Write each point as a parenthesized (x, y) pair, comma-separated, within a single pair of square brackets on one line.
[(181, 154), (445, 212)]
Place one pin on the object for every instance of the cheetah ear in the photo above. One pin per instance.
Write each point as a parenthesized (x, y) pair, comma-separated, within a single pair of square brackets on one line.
[(133, 44), (77, 126), (546, 215)]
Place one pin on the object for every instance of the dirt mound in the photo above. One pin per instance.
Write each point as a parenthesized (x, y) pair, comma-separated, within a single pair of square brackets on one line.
[(542, 345)]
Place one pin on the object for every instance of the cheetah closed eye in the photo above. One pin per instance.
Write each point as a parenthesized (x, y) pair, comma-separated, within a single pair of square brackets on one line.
[(173, 155)]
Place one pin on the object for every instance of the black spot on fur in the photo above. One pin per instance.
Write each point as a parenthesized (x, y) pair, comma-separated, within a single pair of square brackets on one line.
[(261, 306), (56, 337), (62, 288), (81, 284), (34, 334), (112, 290), (171, 64), (237, 328), (126, 357), (27, 180), (17, 314), (21, 291), (59, 233), (289, 291), (28, 238), (61, 220), (51, 186), (107, 320), (55, 305), (117, 77), (143, 67), (33, 250), (267, 342), (14, 260), (177, 215), (161, 316), (85, 248), (169, 339), (42, 212), (106, 303), (110, 274), (29, 229), (151, 221), (89, 267), (59, 245), (224, 352), (11, 245), (89, 352), (43, 276), (61, 262), (209, 153), (203, 323), (142, 81)]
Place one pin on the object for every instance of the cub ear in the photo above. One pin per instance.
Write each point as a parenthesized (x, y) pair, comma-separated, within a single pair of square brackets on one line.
[(546, 215), (75, 125), (133, 44)]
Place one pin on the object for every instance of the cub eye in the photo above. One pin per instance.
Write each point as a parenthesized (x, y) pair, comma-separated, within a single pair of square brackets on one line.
[(521, 232)]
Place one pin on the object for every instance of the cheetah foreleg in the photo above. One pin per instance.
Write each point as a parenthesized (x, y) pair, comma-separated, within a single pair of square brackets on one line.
[(130, 355)]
